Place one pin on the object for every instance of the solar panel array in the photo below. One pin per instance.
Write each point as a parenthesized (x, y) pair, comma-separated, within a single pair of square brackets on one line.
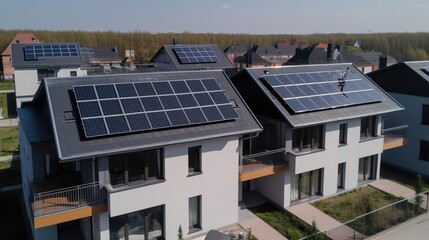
[(304, 92), (38, 51), (200, 54), (107, 109)]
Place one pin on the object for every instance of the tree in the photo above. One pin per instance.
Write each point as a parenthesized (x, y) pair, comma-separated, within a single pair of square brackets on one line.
[(180, 233), (419, 188)]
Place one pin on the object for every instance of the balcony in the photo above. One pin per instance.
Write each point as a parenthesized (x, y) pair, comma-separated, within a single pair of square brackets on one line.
[(262, 164), (394, 137), (66, 204)]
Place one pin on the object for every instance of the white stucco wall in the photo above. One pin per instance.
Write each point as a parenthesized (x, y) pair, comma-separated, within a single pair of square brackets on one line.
[(407, 156), (217, 185)]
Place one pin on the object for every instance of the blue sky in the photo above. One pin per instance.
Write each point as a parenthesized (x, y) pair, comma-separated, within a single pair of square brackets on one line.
[(218, 16)]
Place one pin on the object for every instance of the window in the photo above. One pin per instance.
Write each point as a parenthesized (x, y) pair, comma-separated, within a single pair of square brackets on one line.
[(73, 73), (306, 185), (194, 159), (425, 114), (368, 127), (147, 224), (307, 138), (44, 73), (141, 166), (424, 150), (343, 134), (194, 214), (341, 175), (367, 168)]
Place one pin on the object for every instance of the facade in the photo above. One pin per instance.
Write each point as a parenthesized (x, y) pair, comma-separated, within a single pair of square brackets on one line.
[(188, 57), (133, 155), (408, 83), (34, 62), (321, 125), (8, 70)]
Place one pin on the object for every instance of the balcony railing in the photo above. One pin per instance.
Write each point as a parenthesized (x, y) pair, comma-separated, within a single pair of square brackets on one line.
[(395, 133), (65, 199), (263, 159)]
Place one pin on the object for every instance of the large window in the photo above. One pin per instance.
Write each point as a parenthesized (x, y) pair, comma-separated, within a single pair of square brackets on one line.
[(368, 127), (194, 214), (194, 160), (135, 167), (44, 73), (146, 224), (343, 134), (424, 150), (304, 139), (425, 114), (306, 185), (367, 168)]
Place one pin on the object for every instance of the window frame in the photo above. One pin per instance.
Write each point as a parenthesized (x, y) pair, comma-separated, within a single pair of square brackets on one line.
[(314, 176), (342, 140), (368, 127), (424, 150), (45, 73), (341, 176), (197, 163), (197, 226), (368, 174), (308, 138)]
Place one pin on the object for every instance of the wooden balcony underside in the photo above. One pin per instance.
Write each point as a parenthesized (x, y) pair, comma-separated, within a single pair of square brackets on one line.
[(263, 171), (394, 143)]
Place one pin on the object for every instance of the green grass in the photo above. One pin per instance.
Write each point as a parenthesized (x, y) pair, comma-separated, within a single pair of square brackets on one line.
[(399, 176), (289, 226), (9, 141), (12, 225), (3, 104), (7, 85), (347, 206)]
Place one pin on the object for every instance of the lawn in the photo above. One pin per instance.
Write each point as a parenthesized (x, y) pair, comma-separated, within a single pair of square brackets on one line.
[(6, 85), (289, 226), (9, 141), (347, 206), (3, 104), (12, 225)]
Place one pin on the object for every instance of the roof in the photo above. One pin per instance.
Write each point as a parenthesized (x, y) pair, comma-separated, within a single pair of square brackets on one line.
[(71, 143), (405, 77), (19, 61), (109, 53), (315, 55), (374, 58), (237, 49), (257, 95), (222, 62), (252, 58), (275, 50), (20, 38)]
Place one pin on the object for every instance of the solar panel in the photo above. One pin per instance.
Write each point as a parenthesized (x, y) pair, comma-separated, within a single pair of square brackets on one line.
[(130, 107), (40, 51), (189, 55), (304, 92)]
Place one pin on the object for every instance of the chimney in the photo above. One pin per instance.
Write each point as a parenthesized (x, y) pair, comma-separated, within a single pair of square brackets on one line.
[(382, 63), (329, 52), (176, 41)]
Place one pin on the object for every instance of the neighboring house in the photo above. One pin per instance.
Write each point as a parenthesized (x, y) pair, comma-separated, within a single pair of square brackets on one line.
[(251, 59), (319, 55), (408, 83), (133, 156), (378, 59), (8, 70), (234, 51), (185, 57), (33, 62), (98, 60), (322, 130)]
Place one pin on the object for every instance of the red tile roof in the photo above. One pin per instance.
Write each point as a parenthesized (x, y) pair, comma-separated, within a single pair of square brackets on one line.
[(21, 38)]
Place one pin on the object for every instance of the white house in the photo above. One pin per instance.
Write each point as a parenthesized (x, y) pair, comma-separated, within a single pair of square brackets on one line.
[(133, 156), (35, 61), (408, 83), (322, 130)]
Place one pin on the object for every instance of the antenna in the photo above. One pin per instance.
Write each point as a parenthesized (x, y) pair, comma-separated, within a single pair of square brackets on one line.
[(342, 79)]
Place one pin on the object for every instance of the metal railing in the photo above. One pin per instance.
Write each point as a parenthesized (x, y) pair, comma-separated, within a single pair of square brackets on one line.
[(263, 159), (378, 220), (67, 198), (394, 133)]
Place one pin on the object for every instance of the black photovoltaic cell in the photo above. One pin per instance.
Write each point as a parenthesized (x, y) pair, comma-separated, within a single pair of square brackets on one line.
[(304, 92), (200, 54), (38, 51), (129, 107)]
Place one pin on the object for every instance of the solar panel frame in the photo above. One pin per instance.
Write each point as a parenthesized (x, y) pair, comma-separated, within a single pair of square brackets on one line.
[(190, 55), (40, 51)]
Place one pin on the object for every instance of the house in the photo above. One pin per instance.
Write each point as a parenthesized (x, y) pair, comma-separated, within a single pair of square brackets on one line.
[(408, 83), (378, 59), (322, 130), (33, 62), (319, 55), (8, 70), (234, 51), (98, 60), (251, 59), (186, 57), (133, 156)]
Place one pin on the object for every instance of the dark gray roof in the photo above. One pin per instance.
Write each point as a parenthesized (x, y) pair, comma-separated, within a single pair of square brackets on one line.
[(275, 50), (405, 77), (222, 63), (252, 58), (374, 58), (71, 143), (259, 97), (18, 59), (31, 117), (237, 49), (109, 53)]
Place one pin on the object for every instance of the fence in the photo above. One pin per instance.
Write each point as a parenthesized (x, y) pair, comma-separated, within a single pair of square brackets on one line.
[(377, 221), (263, 159)]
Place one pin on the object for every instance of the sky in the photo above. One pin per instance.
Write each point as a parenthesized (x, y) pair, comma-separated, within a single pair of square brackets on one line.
[(218, 16)]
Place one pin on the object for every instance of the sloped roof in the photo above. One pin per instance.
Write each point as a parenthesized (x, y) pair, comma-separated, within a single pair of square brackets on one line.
[(252, 58), (250, 84), (107, 53), (406, 77), (19, 61), (222, 62), (374, 58), (20, 38), (273, 50), (237, 49), (71, 144)]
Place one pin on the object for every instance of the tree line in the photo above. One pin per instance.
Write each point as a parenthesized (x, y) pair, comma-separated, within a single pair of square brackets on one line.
[(402, 46)]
